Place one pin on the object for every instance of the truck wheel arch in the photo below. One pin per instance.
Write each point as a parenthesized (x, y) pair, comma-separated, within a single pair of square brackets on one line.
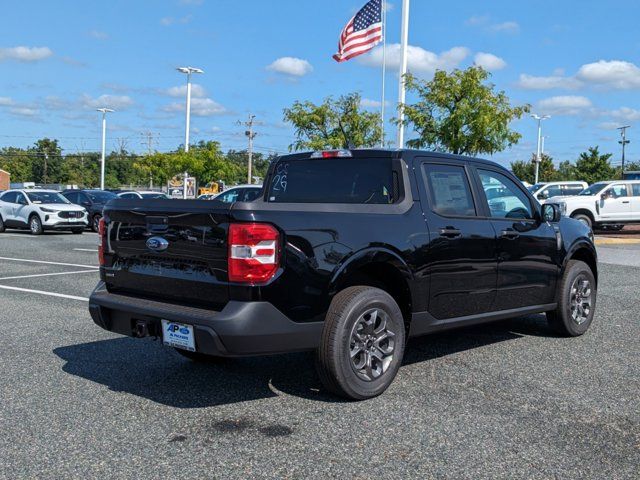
[(380, 268), (584, 211), (583, 252)]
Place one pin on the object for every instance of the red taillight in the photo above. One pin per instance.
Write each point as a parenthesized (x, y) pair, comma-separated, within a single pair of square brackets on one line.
[(253, 252), (102, 235)]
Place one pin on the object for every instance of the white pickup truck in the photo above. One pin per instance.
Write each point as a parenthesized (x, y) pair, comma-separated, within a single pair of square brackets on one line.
[(604, 204)]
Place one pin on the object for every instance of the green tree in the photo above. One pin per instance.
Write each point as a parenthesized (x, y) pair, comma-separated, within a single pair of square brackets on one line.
[(46, 161), (460, 113), (18, 163), (340, 123), (526, 171), (592, 166), (566, 171)]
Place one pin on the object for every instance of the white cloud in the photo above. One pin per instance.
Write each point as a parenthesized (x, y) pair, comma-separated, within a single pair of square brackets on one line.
[(200, 107), (608, 125), (369, 103), (168, 21), (484, 21), (488, 61), (564, 105), (505, 27), (614, 74), (531, 82), (181, 91), (98, 35), (24, 111), (418, 59), (626, 114), (5, 101), (117, 102), (293, 66), (25, 54)]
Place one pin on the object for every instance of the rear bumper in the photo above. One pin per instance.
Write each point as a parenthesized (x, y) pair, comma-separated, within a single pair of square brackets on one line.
[(239, 329)]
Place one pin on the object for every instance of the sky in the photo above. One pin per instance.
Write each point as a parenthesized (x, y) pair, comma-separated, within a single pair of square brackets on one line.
[(578, 61)]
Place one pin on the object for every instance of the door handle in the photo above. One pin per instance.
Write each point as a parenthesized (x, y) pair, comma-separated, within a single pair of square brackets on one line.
[(625, 201), (450, 232), (510, 234)]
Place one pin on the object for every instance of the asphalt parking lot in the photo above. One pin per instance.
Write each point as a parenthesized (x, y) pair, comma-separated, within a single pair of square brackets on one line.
[(508, 400)]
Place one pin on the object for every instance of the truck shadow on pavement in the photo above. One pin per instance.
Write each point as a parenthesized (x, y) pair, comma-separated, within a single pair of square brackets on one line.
[(149, 370)]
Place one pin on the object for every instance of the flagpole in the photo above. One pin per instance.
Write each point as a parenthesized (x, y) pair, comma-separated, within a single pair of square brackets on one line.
[(404, 38), (384, 68)]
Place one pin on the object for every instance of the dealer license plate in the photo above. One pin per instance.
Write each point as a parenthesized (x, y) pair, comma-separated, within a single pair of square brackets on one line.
[(178, 335)]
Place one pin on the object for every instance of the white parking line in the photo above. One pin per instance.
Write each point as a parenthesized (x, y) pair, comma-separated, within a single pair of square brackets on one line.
[(94, 250), (41, 292), (48, 263), (47, 274)]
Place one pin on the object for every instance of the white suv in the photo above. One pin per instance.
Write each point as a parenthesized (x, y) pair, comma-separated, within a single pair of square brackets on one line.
[(39, 210), (543, 191), (604, 204)]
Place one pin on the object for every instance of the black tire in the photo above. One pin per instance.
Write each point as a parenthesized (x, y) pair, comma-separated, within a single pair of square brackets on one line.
[(197, 356), (351, 317), (2, 228), (584, 218), (94, 223), (35, 225), (571, 318), (77, 231)]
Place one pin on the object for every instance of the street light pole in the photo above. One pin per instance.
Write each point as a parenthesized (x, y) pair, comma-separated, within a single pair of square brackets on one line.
[(188, 71), (539, 149), (104, 142), (623, 142)]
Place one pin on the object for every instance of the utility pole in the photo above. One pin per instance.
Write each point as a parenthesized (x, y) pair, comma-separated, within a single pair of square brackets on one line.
[(250, 135), (44, 172), (104, 112), (623, 142)]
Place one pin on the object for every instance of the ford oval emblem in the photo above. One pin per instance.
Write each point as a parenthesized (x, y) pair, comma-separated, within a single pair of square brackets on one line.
[(157, 244)]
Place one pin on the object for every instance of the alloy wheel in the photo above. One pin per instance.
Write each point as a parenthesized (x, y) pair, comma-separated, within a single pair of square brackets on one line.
[(372, 344), (580, 299)]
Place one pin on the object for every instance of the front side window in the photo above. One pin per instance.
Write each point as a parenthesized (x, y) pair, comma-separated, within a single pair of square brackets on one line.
[(617, 191), (593, 189), (449, 191), (550, 191), (511, 201), (332, 180), (229, 197), (250, 194), (100, 197)]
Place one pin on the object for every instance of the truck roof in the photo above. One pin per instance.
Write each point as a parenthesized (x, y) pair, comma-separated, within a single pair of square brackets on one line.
[(397, 153)]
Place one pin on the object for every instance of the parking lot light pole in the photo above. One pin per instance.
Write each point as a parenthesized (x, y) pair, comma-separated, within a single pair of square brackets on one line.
[(104, 142), (188, 71), (539, 150)]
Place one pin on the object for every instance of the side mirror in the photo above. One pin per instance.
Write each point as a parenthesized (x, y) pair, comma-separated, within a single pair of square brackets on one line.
[(550, 213), (605, 195)]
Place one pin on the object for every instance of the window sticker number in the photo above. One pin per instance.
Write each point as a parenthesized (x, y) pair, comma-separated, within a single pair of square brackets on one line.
[(279, 182)]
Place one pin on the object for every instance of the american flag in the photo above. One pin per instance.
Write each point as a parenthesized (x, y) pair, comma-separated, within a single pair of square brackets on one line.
[(362, 32)]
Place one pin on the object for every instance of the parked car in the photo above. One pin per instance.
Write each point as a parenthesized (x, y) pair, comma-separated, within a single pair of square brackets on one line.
[(239, 193), (39, 210), (149, 195), (604, 204), (92, 200), (545, 190), (348, 253)]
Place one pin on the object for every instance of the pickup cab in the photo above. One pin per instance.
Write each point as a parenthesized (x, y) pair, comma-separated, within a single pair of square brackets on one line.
[(348, 253), (610, 204)]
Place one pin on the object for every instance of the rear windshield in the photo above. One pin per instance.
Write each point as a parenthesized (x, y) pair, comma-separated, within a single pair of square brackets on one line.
[(333, 180)]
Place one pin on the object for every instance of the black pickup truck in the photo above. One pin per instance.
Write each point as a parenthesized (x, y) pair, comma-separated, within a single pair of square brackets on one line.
[(347, 253)]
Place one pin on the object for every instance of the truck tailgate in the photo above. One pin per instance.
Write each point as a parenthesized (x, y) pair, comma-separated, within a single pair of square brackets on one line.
[(172, 250)]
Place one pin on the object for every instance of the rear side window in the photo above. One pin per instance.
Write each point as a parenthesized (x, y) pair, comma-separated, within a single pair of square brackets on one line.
[(333, 180), (636, 189), (571, 189), (449, 191)]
